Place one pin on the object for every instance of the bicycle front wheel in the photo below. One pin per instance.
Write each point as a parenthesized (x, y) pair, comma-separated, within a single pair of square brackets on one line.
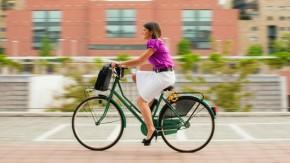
[(97, 123), (189, 127)]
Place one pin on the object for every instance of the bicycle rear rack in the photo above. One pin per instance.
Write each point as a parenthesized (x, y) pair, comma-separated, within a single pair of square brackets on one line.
[(192, 93)]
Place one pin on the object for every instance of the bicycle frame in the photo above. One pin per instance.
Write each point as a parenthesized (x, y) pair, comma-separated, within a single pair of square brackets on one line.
[(107, 110), (130, 106)]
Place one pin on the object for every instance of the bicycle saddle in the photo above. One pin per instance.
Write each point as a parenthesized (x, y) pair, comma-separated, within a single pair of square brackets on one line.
[(169, 88)]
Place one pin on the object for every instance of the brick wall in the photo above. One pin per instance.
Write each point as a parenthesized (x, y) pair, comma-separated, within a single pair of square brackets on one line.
[(83, 23)]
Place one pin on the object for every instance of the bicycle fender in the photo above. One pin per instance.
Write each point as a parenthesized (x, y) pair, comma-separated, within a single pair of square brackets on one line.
[(211, 107), (207, 103)]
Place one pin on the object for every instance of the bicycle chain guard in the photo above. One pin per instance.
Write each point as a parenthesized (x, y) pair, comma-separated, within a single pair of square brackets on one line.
[(171, 126)]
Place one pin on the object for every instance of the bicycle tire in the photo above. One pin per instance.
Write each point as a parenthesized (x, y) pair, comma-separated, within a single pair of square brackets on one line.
[(77, 133), (167, 131)]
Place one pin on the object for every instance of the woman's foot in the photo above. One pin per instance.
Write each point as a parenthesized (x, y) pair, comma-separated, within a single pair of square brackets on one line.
[(150, 133), (147, 141)]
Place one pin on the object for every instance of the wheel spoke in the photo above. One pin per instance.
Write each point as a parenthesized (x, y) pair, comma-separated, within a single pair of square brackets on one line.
[(110, 122), (92, 136), (93, 115), (193, 135)]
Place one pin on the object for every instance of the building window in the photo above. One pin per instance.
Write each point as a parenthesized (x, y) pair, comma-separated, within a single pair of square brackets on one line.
[(116, 47), (46, 24), (197, 27), (253, 38), (2, 29), (7, 4), (272, 35), (254, 28), (281, 8), (282, 18), (269, 7), (269, 18), (121, 23)]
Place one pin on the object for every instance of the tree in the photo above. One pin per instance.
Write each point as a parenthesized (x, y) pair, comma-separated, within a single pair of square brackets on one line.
[(283, 44), (187, 59), (42, 65), (46, 47), (281, 52), (255, 50), (282, 59), (6, 62), (230, 93), (74, 92), (123, 57), (184, 47)]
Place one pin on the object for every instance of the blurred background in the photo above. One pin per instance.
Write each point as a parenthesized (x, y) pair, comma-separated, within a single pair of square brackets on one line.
[(236, 52)]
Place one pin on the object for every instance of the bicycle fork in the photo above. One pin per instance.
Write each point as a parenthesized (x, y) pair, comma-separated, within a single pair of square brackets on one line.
[(104, 114)]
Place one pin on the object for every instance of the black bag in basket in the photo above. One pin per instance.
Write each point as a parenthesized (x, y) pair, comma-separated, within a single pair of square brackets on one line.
[(104, 78)]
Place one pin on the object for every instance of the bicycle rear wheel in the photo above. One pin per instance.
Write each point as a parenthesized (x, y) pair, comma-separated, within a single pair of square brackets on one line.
[(195, 134), (92, 132)]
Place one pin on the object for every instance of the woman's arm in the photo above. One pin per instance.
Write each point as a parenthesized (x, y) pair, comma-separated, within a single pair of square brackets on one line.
[(139, 60)]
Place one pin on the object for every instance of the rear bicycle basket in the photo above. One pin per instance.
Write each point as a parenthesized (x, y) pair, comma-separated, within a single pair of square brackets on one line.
[(183, 104), (182, 107)]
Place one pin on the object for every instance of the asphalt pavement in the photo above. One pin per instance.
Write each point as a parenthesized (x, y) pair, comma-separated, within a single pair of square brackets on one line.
[(251, 138)]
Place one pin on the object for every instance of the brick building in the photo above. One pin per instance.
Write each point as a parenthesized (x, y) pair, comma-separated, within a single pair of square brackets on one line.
[(5, 6), (111, 27), (262, 22)]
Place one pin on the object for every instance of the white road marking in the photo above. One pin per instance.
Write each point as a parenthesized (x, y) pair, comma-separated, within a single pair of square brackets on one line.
[(50, 132), (181, 135), (245, 137), (241, 132), (114, 134)]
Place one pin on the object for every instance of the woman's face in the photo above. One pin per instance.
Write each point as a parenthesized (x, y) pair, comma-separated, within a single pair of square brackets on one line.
[(146, 34)]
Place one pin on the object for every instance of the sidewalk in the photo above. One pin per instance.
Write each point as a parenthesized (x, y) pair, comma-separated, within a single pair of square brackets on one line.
[(213, 153), (238, 138)]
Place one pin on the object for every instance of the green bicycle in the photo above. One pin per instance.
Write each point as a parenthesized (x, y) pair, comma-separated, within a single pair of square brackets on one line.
[(184, 121)]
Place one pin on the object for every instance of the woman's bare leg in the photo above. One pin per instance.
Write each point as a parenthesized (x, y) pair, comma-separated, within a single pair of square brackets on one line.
[(146, 113)]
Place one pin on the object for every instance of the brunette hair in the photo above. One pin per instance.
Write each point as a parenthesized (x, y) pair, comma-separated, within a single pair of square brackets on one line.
[(154, 28)]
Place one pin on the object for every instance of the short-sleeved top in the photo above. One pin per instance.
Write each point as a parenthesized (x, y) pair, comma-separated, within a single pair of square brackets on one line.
[(161, 57)]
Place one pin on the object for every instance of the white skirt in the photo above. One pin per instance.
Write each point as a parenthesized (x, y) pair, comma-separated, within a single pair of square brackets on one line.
[(150, 84)]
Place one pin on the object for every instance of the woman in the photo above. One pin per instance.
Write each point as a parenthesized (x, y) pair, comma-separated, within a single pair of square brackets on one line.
[(151, 83)]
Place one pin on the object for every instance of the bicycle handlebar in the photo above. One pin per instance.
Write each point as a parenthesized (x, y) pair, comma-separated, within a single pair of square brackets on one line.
[(118, 70)]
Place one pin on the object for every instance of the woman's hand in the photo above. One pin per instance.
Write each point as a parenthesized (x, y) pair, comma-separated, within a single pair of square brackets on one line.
[(118, 64), (115, 64)]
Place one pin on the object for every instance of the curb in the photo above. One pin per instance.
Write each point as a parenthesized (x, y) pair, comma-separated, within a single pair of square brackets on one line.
[(127, 114)]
